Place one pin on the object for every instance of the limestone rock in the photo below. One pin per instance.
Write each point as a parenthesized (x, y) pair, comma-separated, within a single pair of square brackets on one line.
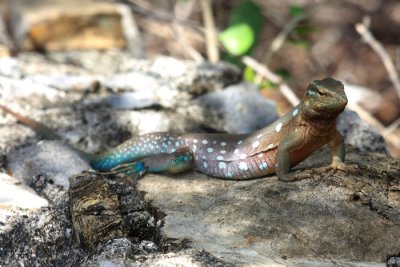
[(54, 159), (12, 89), (15, 194), (188, 76), (60, 25), (360, 134), (238, 108), (346, 217)]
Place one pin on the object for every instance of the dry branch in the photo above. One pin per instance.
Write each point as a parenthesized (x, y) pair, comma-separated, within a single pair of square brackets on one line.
[(280, 39), (363, 30), (263, 70), (211, 36)]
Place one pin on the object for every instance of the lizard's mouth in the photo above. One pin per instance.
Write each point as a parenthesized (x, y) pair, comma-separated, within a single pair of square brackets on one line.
[(337, 105), (323, 107), (329, 107)]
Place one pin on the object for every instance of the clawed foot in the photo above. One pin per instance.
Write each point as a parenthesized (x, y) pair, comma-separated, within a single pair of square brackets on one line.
[(338, 165), (330, 170), (297, 176)]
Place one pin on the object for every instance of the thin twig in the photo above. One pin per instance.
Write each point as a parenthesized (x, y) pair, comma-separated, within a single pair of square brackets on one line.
[(211, 36), (178, 33), (363, 30), (269, 75), (392, 127), (389, 136), (181, 40), (366, 116), (280, 39)]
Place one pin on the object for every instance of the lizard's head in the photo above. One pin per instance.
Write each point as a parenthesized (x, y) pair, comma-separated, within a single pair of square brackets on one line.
[(324, 99)]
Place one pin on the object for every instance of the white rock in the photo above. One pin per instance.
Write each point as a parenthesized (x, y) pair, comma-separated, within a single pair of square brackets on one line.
[(14, 194)]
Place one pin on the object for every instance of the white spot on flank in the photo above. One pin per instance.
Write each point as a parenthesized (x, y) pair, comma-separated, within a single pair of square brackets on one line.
[(205, 165), (205, 142), (256, 144), (223, 143), (241, 141), (263, 166), (295, 111), (278, 127), (270, 146), (214, 142), (260, 155), (236, 151), (220, 158), (195, 141), (222, 165), (243, 156), (229, 174), (223, 151), (210, 150), (243, 166), (259, 136), (203, 157)]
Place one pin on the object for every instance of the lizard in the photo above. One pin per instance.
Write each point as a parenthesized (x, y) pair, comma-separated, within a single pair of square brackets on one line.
[(273, 149)]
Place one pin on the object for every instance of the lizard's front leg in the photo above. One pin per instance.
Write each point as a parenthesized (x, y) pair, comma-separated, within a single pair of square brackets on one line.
[(338, 154), (282, 160)]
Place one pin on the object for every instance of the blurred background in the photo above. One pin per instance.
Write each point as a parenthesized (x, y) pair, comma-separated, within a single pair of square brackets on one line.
[(279, 45)]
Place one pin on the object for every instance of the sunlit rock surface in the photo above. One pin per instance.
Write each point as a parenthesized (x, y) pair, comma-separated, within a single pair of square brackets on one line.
[(328, 220)]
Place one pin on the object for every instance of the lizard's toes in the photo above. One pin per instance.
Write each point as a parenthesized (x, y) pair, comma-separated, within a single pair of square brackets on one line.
[(297, 176), (344, 167)]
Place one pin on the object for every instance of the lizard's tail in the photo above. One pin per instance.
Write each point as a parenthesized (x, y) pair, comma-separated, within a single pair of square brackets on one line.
[(44, 131)]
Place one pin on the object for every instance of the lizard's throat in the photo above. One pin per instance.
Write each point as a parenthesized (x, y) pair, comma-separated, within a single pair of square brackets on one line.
[(319, 124)]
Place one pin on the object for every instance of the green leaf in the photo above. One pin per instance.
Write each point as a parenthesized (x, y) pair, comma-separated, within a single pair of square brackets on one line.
[(304, 30), (296, 11), (267, 85), (244, 27), (249, 74), (238, 39)]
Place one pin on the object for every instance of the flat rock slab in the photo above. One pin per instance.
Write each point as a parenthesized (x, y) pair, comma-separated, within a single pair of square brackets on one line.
[(329, 220)]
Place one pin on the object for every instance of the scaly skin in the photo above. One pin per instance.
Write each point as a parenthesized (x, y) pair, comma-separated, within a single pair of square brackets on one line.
[(273, 149)]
